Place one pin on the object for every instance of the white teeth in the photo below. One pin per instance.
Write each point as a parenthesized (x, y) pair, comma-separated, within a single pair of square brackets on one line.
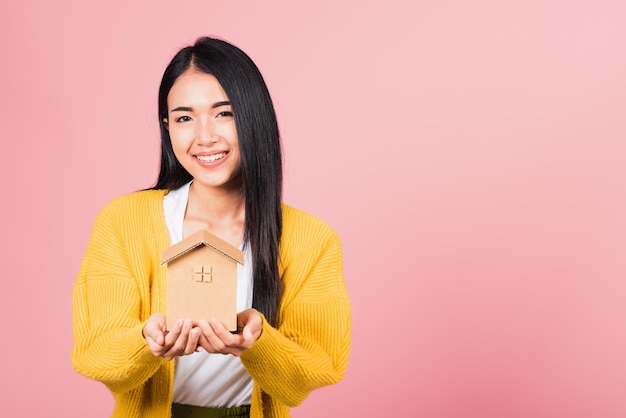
[(211, 158)]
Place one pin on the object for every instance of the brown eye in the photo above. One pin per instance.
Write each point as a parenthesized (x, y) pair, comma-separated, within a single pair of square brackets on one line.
[(183, 119)]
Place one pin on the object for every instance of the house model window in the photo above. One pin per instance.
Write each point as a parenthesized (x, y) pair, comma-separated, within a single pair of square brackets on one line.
[(200, 259), (203, 273)]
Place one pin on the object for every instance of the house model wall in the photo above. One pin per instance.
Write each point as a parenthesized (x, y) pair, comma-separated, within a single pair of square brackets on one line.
[(202, 280)]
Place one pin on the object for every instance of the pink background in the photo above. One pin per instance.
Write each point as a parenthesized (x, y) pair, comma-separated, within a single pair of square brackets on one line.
[(470, 154)]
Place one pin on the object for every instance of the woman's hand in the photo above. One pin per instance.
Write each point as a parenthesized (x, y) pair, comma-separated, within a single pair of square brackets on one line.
[(179, 341), (217, 339)]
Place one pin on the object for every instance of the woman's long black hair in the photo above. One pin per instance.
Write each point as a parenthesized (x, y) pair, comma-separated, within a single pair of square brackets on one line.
[(259, 146)]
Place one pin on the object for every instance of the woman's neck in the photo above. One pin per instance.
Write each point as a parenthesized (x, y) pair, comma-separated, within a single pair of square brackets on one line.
[(222, 211)]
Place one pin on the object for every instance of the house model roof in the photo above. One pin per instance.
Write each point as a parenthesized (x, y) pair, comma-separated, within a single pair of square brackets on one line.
[(203, 237)]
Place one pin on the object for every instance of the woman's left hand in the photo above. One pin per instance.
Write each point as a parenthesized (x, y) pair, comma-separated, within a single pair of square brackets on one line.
[(217, 339)]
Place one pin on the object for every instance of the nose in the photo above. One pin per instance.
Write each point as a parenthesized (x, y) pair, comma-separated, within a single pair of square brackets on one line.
[(206, 133)]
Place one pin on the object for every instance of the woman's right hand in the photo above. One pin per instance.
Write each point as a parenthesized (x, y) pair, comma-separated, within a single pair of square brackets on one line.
[(181, 340)]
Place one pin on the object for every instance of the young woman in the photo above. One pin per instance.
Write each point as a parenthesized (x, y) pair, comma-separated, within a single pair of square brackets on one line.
[(220, 170)]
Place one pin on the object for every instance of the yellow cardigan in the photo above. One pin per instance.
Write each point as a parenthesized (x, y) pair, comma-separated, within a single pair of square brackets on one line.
[(121, 283)]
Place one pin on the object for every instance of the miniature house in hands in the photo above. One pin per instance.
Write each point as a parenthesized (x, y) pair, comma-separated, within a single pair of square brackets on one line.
[(202, 280)]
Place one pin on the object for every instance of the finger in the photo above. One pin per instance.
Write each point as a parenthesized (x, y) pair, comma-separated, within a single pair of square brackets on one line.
[(226, 337), (214, 343), (154, 333), (251, 323), (203, 341), (192, 340), (247, 333), (208, 338), (248, 337), (154, 340), (155, 348), (154, 328), (174, 333), (226, 342), (179, 345)]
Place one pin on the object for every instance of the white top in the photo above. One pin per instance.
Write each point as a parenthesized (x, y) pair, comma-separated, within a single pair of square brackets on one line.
[(203, 379)]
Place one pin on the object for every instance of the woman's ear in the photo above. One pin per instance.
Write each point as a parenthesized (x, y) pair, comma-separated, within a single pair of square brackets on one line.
[(166, 124)]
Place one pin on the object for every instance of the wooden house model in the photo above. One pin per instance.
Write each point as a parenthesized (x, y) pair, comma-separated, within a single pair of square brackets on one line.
[(202, 280)]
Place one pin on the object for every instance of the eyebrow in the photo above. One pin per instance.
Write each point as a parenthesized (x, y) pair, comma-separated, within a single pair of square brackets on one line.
[(220, 104), (189, 109)]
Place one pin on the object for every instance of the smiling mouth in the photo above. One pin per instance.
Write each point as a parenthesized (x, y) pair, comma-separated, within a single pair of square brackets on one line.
[(211, 158)]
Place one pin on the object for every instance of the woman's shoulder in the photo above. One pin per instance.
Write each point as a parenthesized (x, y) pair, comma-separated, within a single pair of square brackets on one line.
[(301, 225), (293, 216), (141, 197), (132, 206), (309, 244)]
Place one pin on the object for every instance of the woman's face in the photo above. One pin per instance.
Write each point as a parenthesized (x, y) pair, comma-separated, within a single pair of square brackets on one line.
[(202, 128)]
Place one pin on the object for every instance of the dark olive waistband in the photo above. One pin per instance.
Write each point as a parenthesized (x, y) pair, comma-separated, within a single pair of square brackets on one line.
[(190, 411)]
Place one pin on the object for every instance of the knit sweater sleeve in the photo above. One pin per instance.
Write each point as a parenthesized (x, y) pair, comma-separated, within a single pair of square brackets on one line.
[(109, 305), (310, 348)]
